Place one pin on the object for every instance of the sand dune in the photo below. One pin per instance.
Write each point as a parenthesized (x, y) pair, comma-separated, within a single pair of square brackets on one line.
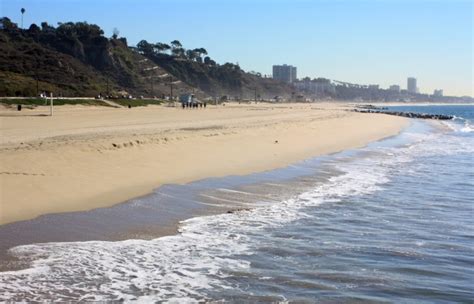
[(89, 157)]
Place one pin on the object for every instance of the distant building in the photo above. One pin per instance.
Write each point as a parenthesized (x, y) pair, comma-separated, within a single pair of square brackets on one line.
[(316, 86), (395, 88), (373, 86), (438, 93), (411, 85), (285, 73)]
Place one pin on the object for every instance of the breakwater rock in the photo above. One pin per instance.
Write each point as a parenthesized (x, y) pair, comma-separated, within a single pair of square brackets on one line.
[(408, 114), (370, 107)]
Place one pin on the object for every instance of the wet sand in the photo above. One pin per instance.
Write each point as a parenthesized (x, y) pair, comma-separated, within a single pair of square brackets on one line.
[(160, 213)]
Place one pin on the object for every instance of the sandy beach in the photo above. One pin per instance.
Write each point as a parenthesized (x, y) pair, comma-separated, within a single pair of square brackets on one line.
[(89, 157)]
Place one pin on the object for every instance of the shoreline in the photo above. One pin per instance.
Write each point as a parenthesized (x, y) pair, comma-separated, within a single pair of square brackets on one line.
[(98, 158), (161, 212), (413, 104)]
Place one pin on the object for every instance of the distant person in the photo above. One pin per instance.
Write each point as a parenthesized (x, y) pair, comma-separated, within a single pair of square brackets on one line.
[(183, 105), (18, 107), (205, 104)]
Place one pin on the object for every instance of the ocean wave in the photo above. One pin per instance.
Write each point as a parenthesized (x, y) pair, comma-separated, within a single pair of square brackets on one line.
[(468, 127), (207, 249), (461, 124)]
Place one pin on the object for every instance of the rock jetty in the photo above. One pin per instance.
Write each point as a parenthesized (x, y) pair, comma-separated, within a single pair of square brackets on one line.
[(408, 114)]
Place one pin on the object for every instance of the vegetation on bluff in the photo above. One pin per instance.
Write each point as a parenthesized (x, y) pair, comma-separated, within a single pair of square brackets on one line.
[(196, 68), (76, 59)]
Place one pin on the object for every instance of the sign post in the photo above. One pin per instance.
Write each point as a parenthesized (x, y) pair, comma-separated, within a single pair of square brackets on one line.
[(51, 105)]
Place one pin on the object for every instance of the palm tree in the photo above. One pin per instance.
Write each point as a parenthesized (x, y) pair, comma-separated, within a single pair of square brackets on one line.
[(22, 12)]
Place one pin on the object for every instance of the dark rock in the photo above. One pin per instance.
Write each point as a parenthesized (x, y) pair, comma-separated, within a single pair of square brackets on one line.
[(408, 114)]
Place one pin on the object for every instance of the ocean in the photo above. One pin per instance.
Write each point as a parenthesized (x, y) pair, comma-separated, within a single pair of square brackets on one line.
[(389, 222)]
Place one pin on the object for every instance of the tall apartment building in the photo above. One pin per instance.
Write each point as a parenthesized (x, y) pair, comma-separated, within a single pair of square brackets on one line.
[(315, 87), (395, 88), (411, 85), (285, 73)]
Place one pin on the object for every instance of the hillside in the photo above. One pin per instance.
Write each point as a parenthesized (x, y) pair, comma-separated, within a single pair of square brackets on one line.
[(75, 59), (204, 73)]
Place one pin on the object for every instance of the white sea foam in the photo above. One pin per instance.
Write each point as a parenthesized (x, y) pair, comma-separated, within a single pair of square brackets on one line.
[(467, 127), (183, 267), (460, 124)]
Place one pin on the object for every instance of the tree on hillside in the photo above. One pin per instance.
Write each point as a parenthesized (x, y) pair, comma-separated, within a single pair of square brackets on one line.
[(34, 28), (81, 30), (5, 23), (45, 27), (115, 34), (203, 51), (191, 55), (161, 47), (22, 13), (230, 66), (209, 61), (178, 52), (199, 53), (34, 31), (175, 44), (145, 48), (177, 49)]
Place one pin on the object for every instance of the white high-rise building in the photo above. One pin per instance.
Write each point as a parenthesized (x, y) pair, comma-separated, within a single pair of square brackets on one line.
[(285, 73)]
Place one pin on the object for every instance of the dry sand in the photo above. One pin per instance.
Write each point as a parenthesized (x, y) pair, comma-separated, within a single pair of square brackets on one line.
[(89, 157)]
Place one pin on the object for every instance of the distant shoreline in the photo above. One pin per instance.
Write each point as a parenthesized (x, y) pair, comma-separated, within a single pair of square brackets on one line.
[(420, 103)]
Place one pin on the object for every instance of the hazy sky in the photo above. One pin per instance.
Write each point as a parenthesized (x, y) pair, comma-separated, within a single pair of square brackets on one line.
[(366, 42)]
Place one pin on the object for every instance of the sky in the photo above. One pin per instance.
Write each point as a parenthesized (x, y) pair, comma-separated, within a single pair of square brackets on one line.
[(359, 41)]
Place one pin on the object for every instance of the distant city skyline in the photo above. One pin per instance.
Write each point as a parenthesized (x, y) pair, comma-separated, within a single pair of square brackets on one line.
[(366, 42)]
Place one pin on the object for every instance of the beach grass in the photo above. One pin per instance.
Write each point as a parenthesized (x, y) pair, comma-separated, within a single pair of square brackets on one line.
[(91, 102), (137, 102), (57, 102)]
